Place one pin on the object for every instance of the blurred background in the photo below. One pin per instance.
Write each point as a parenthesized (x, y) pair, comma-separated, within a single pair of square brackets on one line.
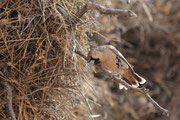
[(151, 43)]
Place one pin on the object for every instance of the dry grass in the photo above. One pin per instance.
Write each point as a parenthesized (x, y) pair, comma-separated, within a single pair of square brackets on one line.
[(37, 59)]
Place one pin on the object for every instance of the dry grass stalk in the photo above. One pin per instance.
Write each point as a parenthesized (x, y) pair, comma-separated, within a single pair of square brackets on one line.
[(36, 50), (8, 88)]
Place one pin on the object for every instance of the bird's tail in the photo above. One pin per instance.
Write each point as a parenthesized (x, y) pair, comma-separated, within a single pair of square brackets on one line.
[(134, 81)]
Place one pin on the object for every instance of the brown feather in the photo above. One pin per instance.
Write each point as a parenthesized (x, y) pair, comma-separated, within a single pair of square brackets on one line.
[(114, 61)]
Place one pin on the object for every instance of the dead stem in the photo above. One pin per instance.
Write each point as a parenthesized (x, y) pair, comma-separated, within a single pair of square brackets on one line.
[(93, 6), (9, 99), (103, 10)]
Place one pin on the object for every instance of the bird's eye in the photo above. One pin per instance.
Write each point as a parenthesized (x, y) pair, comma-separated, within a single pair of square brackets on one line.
[(96, 60)]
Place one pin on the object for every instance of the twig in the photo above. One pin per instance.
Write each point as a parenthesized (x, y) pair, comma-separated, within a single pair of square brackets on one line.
[(82, 55), (62, 11), (103, 10), (141, 90), (128, 1), (146, 9), (119, 80), (9, 99), (93, 6)]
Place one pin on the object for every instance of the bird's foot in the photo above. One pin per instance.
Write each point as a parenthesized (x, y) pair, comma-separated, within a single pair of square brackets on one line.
[(115, 75)]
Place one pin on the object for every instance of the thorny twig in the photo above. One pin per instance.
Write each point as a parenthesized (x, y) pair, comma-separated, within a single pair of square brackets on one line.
[(119, 80), (9, 99)]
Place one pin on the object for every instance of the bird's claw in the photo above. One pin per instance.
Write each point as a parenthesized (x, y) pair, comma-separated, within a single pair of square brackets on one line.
[(115, 75)]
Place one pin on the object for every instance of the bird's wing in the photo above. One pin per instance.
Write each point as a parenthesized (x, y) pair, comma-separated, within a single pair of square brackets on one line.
[(113, 49)]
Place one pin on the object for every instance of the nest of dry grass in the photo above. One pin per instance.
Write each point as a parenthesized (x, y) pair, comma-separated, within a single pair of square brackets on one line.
[(37, 59)]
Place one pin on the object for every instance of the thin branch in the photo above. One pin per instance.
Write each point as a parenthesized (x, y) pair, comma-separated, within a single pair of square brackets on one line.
[(9, 99), (141, 90), (62, 11), (93, 6), (119, 80), (82, 55), (103, 10)]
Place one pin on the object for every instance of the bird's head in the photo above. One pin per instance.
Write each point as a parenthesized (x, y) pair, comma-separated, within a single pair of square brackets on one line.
[(95, 55)]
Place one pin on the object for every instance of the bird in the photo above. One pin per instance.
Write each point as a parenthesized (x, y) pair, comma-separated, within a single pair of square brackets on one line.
[(112, 60)]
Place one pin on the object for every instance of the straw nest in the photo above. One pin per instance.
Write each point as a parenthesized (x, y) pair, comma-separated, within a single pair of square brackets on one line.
[(37, 61)]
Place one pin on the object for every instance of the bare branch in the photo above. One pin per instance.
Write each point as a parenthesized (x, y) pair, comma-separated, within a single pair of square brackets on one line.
[(103, 10), (141, 90), (9, 99), (93, 6)]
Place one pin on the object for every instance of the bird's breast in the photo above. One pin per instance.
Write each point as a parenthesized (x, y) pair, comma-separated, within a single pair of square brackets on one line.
[(109, 61)]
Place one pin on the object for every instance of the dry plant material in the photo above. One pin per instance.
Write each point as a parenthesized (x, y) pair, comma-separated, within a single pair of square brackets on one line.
[(93, 6), (119, 80), (146, 9), (9, 89), (103, 10), (36, 50)]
